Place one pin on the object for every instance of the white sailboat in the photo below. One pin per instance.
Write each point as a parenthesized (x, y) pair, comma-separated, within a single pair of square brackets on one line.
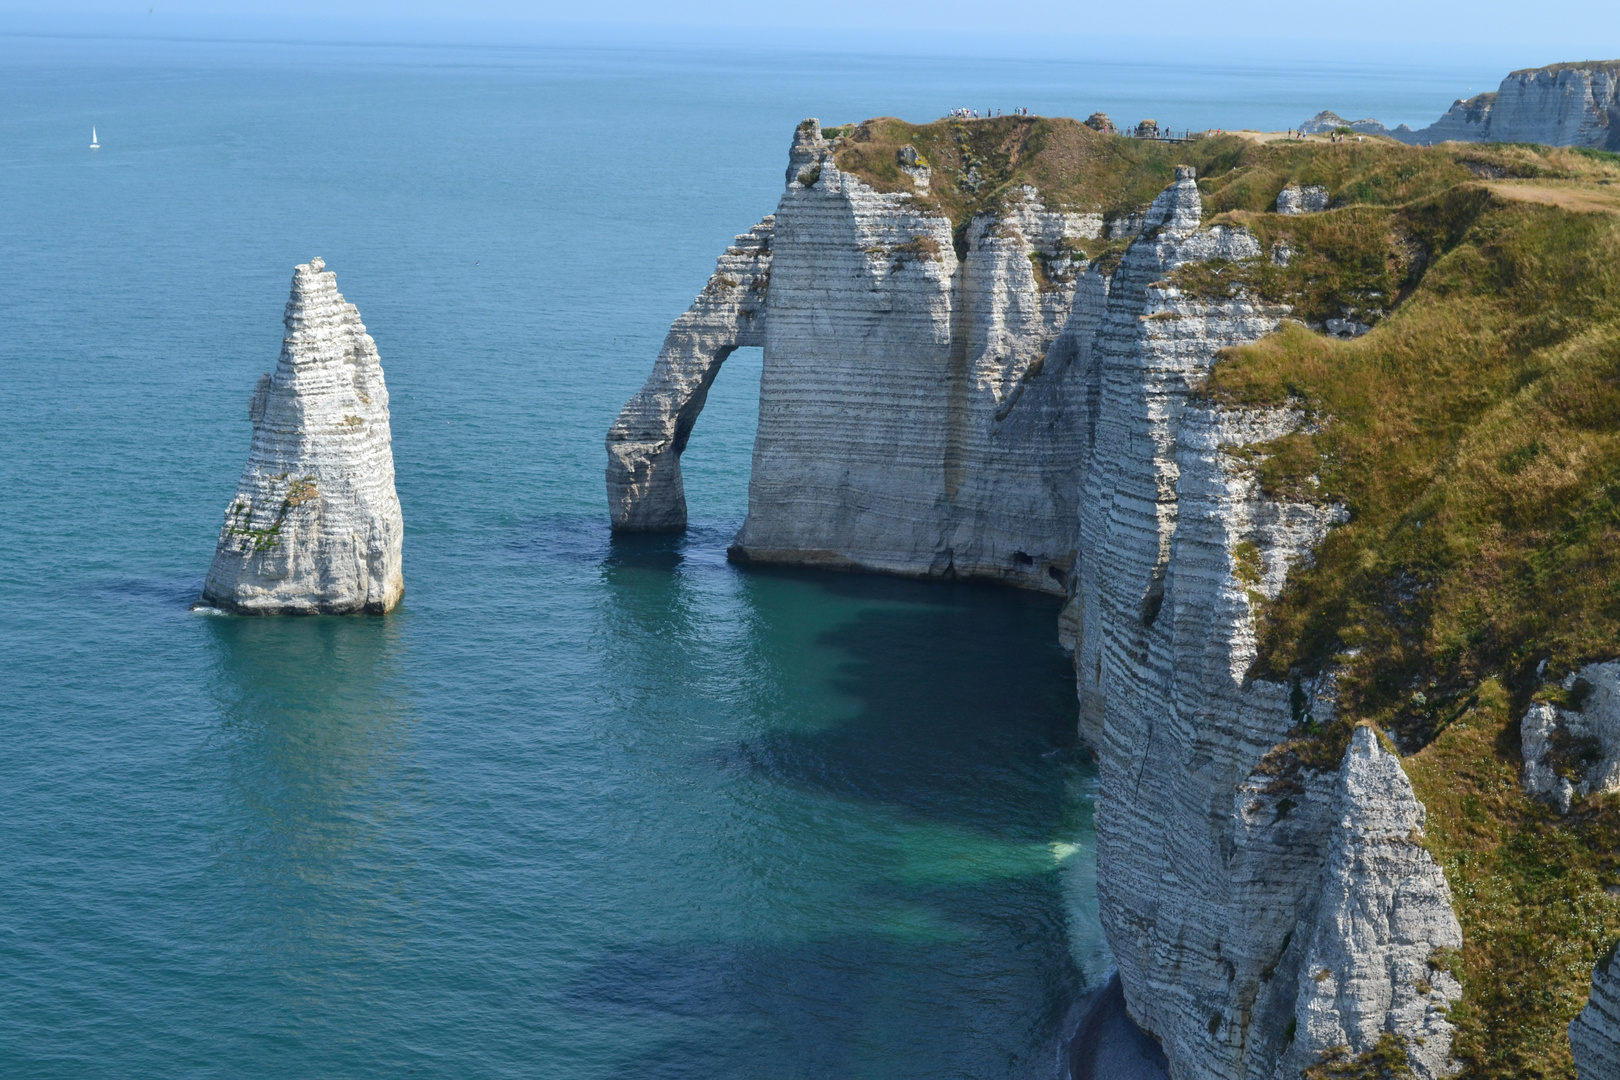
[(94, 143)]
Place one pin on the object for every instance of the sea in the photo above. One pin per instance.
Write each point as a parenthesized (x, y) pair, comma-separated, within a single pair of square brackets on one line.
[(583, 807)]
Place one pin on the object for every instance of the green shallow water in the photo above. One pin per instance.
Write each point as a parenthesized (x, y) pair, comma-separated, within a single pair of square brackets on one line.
[(581, 808)]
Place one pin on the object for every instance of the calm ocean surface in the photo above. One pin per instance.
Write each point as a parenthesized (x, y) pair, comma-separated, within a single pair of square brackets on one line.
[(581, 808)]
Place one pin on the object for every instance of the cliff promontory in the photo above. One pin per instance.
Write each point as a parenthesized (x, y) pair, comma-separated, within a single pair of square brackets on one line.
[(925, 349), (1320, 443), (1573, 104), (315, 525)]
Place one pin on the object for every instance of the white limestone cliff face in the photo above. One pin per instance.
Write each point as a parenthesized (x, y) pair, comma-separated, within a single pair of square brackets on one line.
[(908, 422), (1585, 741), (1594, 1035), (315, 525), (911, 419), (645, 492), (1385, 908), (1328, 120), (1211, 857), (1468, 120), (1560, 105), (933, 410)]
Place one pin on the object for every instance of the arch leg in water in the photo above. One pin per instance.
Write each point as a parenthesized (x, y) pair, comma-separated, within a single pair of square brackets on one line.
[(644, 445)]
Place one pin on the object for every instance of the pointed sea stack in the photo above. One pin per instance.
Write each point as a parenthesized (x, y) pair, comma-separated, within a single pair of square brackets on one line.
[(315, 526)]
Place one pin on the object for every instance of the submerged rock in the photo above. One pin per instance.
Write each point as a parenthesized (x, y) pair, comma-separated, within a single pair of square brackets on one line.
[(315, 525)]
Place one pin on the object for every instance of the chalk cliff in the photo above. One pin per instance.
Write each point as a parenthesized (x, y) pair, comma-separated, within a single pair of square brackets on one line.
[(1310, 199), (1573, 752), (315, 525), (1211, 858), (917, 405), (894, 368), (980, 399), (1384, 910), (1575, 104)]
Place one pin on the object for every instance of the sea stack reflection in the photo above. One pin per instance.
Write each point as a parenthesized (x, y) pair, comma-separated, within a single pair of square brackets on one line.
[(315, 525)]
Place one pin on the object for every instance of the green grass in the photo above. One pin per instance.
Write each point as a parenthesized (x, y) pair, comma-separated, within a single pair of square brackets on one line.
[(1529, 887), (1598, 155), (977, 164)]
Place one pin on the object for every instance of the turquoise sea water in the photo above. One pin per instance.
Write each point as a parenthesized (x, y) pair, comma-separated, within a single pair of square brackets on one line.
[(581, 808)]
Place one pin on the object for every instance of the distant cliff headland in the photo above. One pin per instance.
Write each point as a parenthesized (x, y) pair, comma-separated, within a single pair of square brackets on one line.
[(1576, 104), (1320, 444)]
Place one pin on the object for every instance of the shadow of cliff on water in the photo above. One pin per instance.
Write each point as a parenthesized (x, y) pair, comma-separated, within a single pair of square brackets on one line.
[(645, 551), (963, 707), (925, 729)]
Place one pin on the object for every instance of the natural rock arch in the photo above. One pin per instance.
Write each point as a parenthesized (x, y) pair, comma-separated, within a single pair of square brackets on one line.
[(645, 492)]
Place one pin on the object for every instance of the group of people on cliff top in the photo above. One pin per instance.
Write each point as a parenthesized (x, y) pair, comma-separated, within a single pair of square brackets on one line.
[(973, 114), (1333, 136)]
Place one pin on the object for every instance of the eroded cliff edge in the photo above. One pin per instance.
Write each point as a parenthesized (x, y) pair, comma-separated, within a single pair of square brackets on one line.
[(1257, 446), (1219, 880), (1573, 104)]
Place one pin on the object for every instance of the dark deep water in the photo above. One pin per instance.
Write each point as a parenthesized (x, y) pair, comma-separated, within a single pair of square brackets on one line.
[(582, 807)]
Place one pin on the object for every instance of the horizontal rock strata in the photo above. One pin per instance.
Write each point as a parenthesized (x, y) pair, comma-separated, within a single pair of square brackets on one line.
[(1384, 911), (645, 492), (981, 402), (918, 404), (909, 422), (1215, 864), (315, 525), (1560, 105)]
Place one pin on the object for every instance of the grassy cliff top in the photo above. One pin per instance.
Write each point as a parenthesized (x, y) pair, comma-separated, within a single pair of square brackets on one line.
[(1473, 433), (1571, 65), (978, 164)]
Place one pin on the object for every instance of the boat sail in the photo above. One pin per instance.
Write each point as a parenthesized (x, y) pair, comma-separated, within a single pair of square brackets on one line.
[(95, 144)]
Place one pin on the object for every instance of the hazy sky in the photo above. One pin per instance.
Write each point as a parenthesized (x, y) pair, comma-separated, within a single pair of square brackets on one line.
[(1520, 32)]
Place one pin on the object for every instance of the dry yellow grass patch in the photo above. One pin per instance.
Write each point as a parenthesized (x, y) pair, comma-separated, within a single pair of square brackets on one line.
[(1572, 195)]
